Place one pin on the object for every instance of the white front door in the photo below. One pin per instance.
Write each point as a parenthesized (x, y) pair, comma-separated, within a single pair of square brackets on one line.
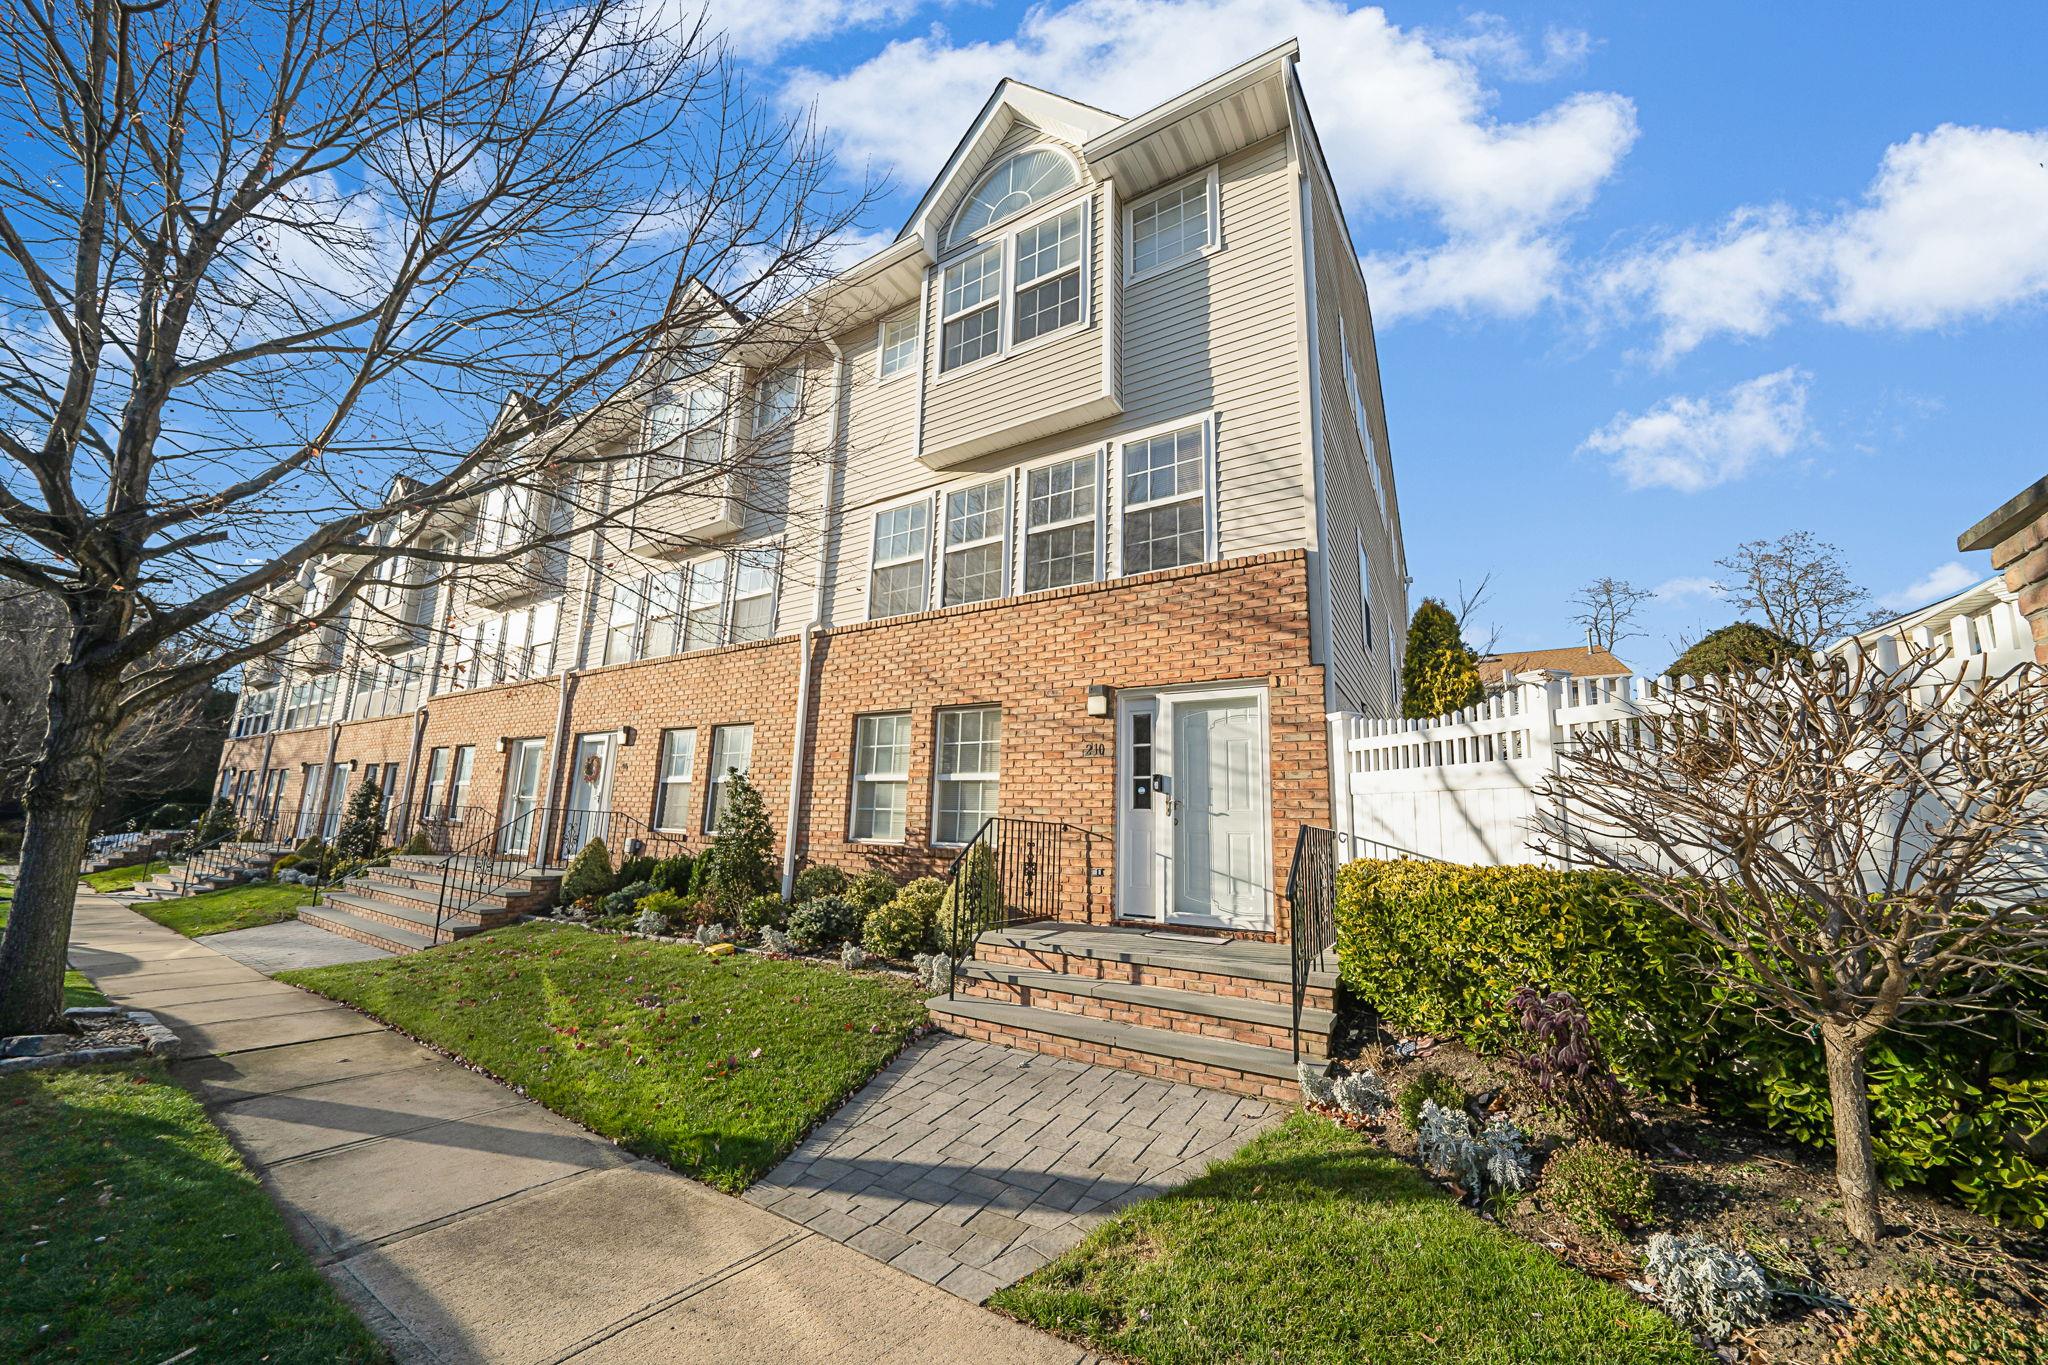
[(522, 795), (590, 793), (1197, 853)]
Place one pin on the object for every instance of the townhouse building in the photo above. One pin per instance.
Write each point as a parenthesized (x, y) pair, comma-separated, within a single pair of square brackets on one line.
[(1102, 525)]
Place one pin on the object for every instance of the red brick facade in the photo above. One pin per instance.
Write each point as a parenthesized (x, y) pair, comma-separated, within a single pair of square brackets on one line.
[(2017, 537), (1240, 621)]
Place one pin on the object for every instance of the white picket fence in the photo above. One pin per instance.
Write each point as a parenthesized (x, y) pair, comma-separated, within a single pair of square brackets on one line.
[(1464, 787)]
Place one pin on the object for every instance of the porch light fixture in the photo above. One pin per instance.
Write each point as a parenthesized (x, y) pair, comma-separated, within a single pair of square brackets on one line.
[(1098, 700), (627, 734), (503, 741)]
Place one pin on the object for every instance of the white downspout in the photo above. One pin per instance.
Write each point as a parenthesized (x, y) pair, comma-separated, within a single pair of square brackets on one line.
[(797, 746), (547, 783)]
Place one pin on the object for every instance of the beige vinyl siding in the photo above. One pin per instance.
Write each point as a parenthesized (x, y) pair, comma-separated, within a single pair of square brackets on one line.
[(1359, 666), (1217, 333), (880, 463)]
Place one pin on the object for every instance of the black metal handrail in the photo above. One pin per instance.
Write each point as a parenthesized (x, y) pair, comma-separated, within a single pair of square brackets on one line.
[(1013, 871), (540, 840), (1311, 909)]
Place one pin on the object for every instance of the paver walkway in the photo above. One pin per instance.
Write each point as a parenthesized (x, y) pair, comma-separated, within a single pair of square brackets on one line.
[(971, 1165), (467, 1224)]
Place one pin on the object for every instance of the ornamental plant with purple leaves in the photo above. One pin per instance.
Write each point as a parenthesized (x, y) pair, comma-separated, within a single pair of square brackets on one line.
[(1565, 1064)]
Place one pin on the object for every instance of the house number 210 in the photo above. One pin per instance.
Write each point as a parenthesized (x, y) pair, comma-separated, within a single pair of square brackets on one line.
[(1095, 748)]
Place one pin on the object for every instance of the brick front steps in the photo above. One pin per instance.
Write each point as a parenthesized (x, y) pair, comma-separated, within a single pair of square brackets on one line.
[(395, 907), (1213, 1013), (243, 865)]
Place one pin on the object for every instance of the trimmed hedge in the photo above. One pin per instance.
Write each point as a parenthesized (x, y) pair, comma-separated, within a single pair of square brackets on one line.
[(1438, 948)]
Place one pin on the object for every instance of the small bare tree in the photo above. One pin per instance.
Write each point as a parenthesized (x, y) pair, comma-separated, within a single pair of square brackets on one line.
[(1607, 610), (279, 276), (1864, 846), (1800, 585)]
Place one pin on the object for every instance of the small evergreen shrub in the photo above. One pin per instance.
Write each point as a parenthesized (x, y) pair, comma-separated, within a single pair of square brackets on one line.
[(285, 864), (672, 874), (819, 880), (871, 890), (666, 904), (625, 898), (634, 870), (1603, 1188), (589, 874), (973, 900), (823, 922), (362, 822), (764, 912), (1936, 1324), (417, 846), (710, 935), (774, 941), (904, 926), (740, 864), (1708, 1287), (1428, 1086)]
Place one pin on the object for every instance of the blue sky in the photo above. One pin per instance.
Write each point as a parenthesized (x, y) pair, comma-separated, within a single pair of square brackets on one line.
[(1650, 280)]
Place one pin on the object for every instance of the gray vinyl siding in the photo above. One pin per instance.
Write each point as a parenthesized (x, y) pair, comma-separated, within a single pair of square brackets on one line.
[(1359, 665)]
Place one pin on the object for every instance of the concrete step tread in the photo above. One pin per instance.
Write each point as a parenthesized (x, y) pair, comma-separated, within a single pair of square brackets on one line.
[(1153, 997), (336, 917), (1275, 1062), (487, 903), (357, 901), (1256, 961)]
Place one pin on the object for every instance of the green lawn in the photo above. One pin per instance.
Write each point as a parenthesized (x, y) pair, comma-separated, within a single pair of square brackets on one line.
[(130, 1231), (125, 878), (78, 988), (715, 1066), (231, 907), (1311, 1244)]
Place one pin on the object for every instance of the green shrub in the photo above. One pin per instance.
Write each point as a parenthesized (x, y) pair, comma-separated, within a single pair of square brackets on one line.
[(417, 846), (288, 861), (672, 874), (904, 927), (589, 874), (764, 912), (824, 921), (976, 893), (740, 863), (1442, 949), (625, 898), (1935, 1324), (871, 890), (665, 903), (634, 870), (819, 880), (1603, 1188), (362, 824), (1428, 1084)]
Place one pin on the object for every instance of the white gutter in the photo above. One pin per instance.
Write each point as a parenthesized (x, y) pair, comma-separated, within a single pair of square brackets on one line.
[(547, 786), (797, 746)]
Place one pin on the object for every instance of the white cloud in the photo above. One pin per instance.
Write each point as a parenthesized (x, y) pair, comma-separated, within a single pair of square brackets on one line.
[(1953, 227), (1406, 118), (1677, 591), (760, 29), (1945, 580), (1491, 43), (1691, 444)]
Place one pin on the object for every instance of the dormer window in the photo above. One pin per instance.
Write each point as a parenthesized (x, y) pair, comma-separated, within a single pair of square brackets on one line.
[(1010, 188)]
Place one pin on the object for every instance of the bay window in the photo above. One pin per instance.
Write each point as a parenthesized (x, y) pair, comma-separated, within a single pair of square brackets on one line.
[(704, 605), (1048, 271), (971, 305), (753, 596)]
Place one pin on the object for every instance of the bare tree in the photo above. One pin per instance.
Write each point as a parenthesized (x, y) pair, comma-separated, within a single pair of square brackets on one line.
[(1861, 844), (1469, 605), (280, 275), (1607, 610), (1800, 586)]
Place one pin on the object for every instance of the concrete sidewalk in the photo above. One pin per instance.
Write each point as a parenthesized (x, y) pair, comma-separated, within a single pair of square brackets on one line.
[(468, 1224)]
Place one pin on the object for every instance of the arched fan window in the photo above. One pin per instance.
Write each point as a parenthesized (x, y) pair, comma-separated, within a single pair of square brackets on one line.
[(1016, 184)]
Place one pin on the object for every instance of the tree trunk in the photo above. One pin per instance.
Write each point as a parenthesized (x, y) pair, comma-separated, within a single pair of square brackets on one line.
[(1855, 1167), (63, 791)]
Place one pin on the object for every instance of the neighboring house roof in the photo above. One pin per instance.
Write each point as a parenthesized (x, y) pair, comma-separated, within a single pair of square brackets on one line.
[(1971, 601), (1581, 661)]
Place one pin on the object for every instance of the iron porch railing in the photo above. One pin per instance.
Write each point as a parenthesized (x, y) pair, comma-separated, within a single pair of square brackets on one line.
[(1015, 871)]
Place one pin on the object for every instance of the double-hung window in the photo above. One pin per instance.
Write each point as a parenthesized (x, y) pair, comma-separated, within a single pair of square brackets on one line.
[(1060, 508), (663, 626), (1049, 274), (437, 783), (732, 750), (976, 518), (623, 624), (897, 566), (1166, 500), (704, 605), (776, 402), (673, 779), (458, 781), (898, 349), (1172, 225), (969, 762), (971, 307), (753, 595), (881, 777)]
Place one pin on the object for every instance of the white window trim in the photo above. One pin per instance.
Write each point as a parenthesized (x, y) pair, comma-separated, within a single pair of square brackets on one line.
[(794, 369), (1132, 275), (1006, 298), (725, 577), (1006, 580), (772, 551), (662, 781), (916, 358), (716, 775), (940, 777), (867, 585), (859, 776), (1210, 538), (948, 245), (1021, 495)]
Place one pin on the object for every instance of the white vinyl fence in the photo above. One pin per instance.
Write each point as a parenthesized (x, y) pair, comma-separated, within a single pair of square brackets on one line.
[(1463, 787)]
